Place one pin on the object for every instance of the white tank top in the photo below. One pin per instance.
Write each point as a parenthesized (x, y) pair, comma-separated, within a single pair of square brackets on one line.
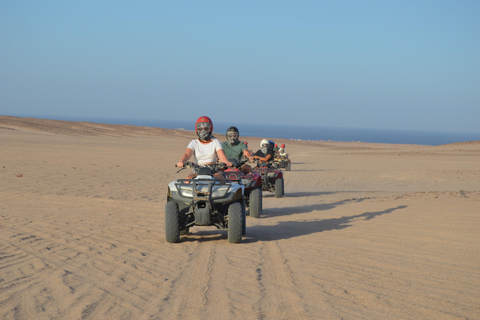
[(205, 153)]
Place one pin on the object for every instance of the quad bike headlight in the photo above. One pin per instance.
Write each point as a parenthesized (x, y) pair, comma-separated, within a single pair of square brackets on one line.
[(185, 191), (218, 191)]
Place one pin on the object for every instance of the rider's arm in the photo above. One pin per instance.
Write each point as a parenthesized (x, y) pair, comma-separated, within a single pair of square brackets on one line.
[(256, 155), (247, 154), (188, 153), (223, 158), (267, 158)]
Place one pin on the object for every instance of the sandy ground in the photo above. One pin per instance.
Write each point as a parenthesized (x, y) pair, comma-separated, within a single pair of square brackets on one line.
[(365, 231)]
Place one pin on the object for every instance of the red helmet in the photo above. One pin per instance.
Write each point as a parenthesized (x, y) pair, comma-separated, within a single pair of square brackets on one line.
[(283, 145), (276, 146), (246, 143), (202, 134), (204, 119)]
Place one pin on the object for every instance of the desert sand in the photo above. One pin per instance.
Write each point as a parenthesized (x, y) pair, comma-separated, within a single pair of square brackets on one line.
[(365, 231)]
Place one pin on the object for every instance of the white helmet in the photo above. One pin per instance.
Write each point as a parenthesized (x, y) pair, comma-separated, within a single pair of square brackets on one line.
[(264, 141)]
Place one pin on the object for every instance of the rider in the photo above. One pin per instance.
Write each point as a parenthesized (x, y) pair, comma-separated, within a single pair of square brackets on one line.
[(265, 154), (281, 151), (234, 149), (205, 149), (275, 150)]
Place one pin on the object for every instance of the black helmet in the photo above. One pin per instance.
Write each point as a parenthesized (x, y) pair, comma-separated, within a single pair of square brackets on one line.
[(232, 135)]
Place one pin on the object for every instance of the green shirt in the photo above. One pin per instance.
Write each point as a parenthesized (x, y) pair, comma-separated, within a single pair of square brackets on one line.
[(235, 151)]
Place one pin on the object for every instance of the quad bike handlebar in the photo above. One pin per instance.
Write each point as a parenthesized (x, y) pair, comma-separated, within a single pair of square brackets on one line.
[(237, 164), (192, 165)]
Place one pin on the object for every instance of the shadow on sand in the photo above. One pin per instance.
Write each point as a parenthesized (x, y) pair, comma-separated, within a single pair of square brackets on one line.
[(285, 211), (292, 229), (305, 194)]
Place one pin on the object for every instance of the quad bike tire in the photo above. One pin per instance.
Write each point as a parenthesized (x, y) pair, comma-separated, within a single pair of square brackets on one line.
[(172, 225), (244, 218), (289, 166), (255, 202), (279, 188), (235, 222)]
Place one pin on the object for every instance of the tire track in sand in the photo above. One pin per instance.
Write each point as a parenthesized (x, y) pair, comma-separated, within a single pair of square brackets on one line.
[(280, 293), (188, 290)]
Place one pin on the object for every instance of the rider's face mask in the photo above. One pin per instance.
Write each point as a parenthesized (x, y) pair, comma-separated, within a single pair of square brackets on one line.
[(264, 148), (232, 137), (203, 130)]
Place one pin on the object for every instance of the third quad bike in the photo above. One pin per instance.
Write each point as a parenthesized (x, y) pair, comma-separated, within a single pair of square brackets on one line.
[(282, 162), (205, 201), (272, 178), (253, 186)]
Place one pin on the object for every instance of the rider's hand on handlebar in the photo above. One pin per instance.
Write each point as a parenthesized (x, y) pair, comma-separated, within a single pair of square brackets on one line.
[(228, 164), (180, 164)]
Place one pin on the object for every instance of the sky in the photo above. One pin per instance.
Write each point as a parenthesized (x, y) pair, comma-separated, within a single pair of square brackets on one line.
[(403, 65)]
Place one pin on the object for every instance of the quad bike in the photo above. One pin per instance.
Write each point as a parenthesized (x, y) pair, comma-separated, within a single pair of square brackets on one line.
[(272, 178), (253, 186), (205, 201), (282, 162)]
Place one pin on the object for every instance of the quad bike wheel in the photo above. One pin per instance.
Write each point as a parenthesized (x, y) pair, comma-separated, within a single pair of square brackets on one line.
[(235, 222), (256, 202), (172, 226), (279, 188), (244, 218)]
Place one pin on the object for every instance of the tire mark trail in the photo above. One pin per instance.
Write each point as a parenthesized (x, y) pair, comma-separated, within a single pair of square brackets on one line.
[(194, 278), (281, 293), (234, 289), (220, 281)]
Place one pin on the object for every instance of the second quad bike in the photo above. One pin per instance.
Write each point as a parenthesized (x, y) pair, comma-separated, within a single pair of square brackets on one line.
[(253, 186), (205, 201)]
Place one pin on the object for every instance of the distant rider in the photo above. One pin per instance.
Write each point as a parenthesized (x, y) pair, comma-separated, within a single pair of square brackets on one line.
[(234, 149), (205, 149), (265, 154), (275, 150), (281, 151)]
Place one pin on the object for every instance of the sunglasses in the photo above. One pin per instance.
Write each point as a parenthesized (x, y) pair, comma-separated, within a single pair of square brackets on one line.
[(203, 126)]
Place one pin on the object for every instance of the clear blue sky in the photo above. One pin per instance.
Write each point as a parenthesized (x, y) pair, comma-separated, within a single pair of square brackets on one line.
[(411, 65)]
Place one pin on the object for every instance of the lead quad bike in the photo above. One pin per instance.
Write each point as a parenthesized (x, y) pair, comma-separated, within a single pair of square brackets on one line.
[(253, 186), (205, 201), (272, 178), (282, 162)]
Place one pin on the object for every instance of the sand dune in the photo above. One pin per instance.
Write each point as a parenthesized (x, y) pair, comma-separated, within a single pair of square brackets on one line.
[(365, 231)]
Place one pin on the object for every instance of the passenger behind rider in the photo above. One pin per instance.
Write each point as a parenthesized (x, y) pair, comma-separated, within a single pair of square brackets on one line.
[(281, 151), (205, 149), (265, 154), (235, 149)]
